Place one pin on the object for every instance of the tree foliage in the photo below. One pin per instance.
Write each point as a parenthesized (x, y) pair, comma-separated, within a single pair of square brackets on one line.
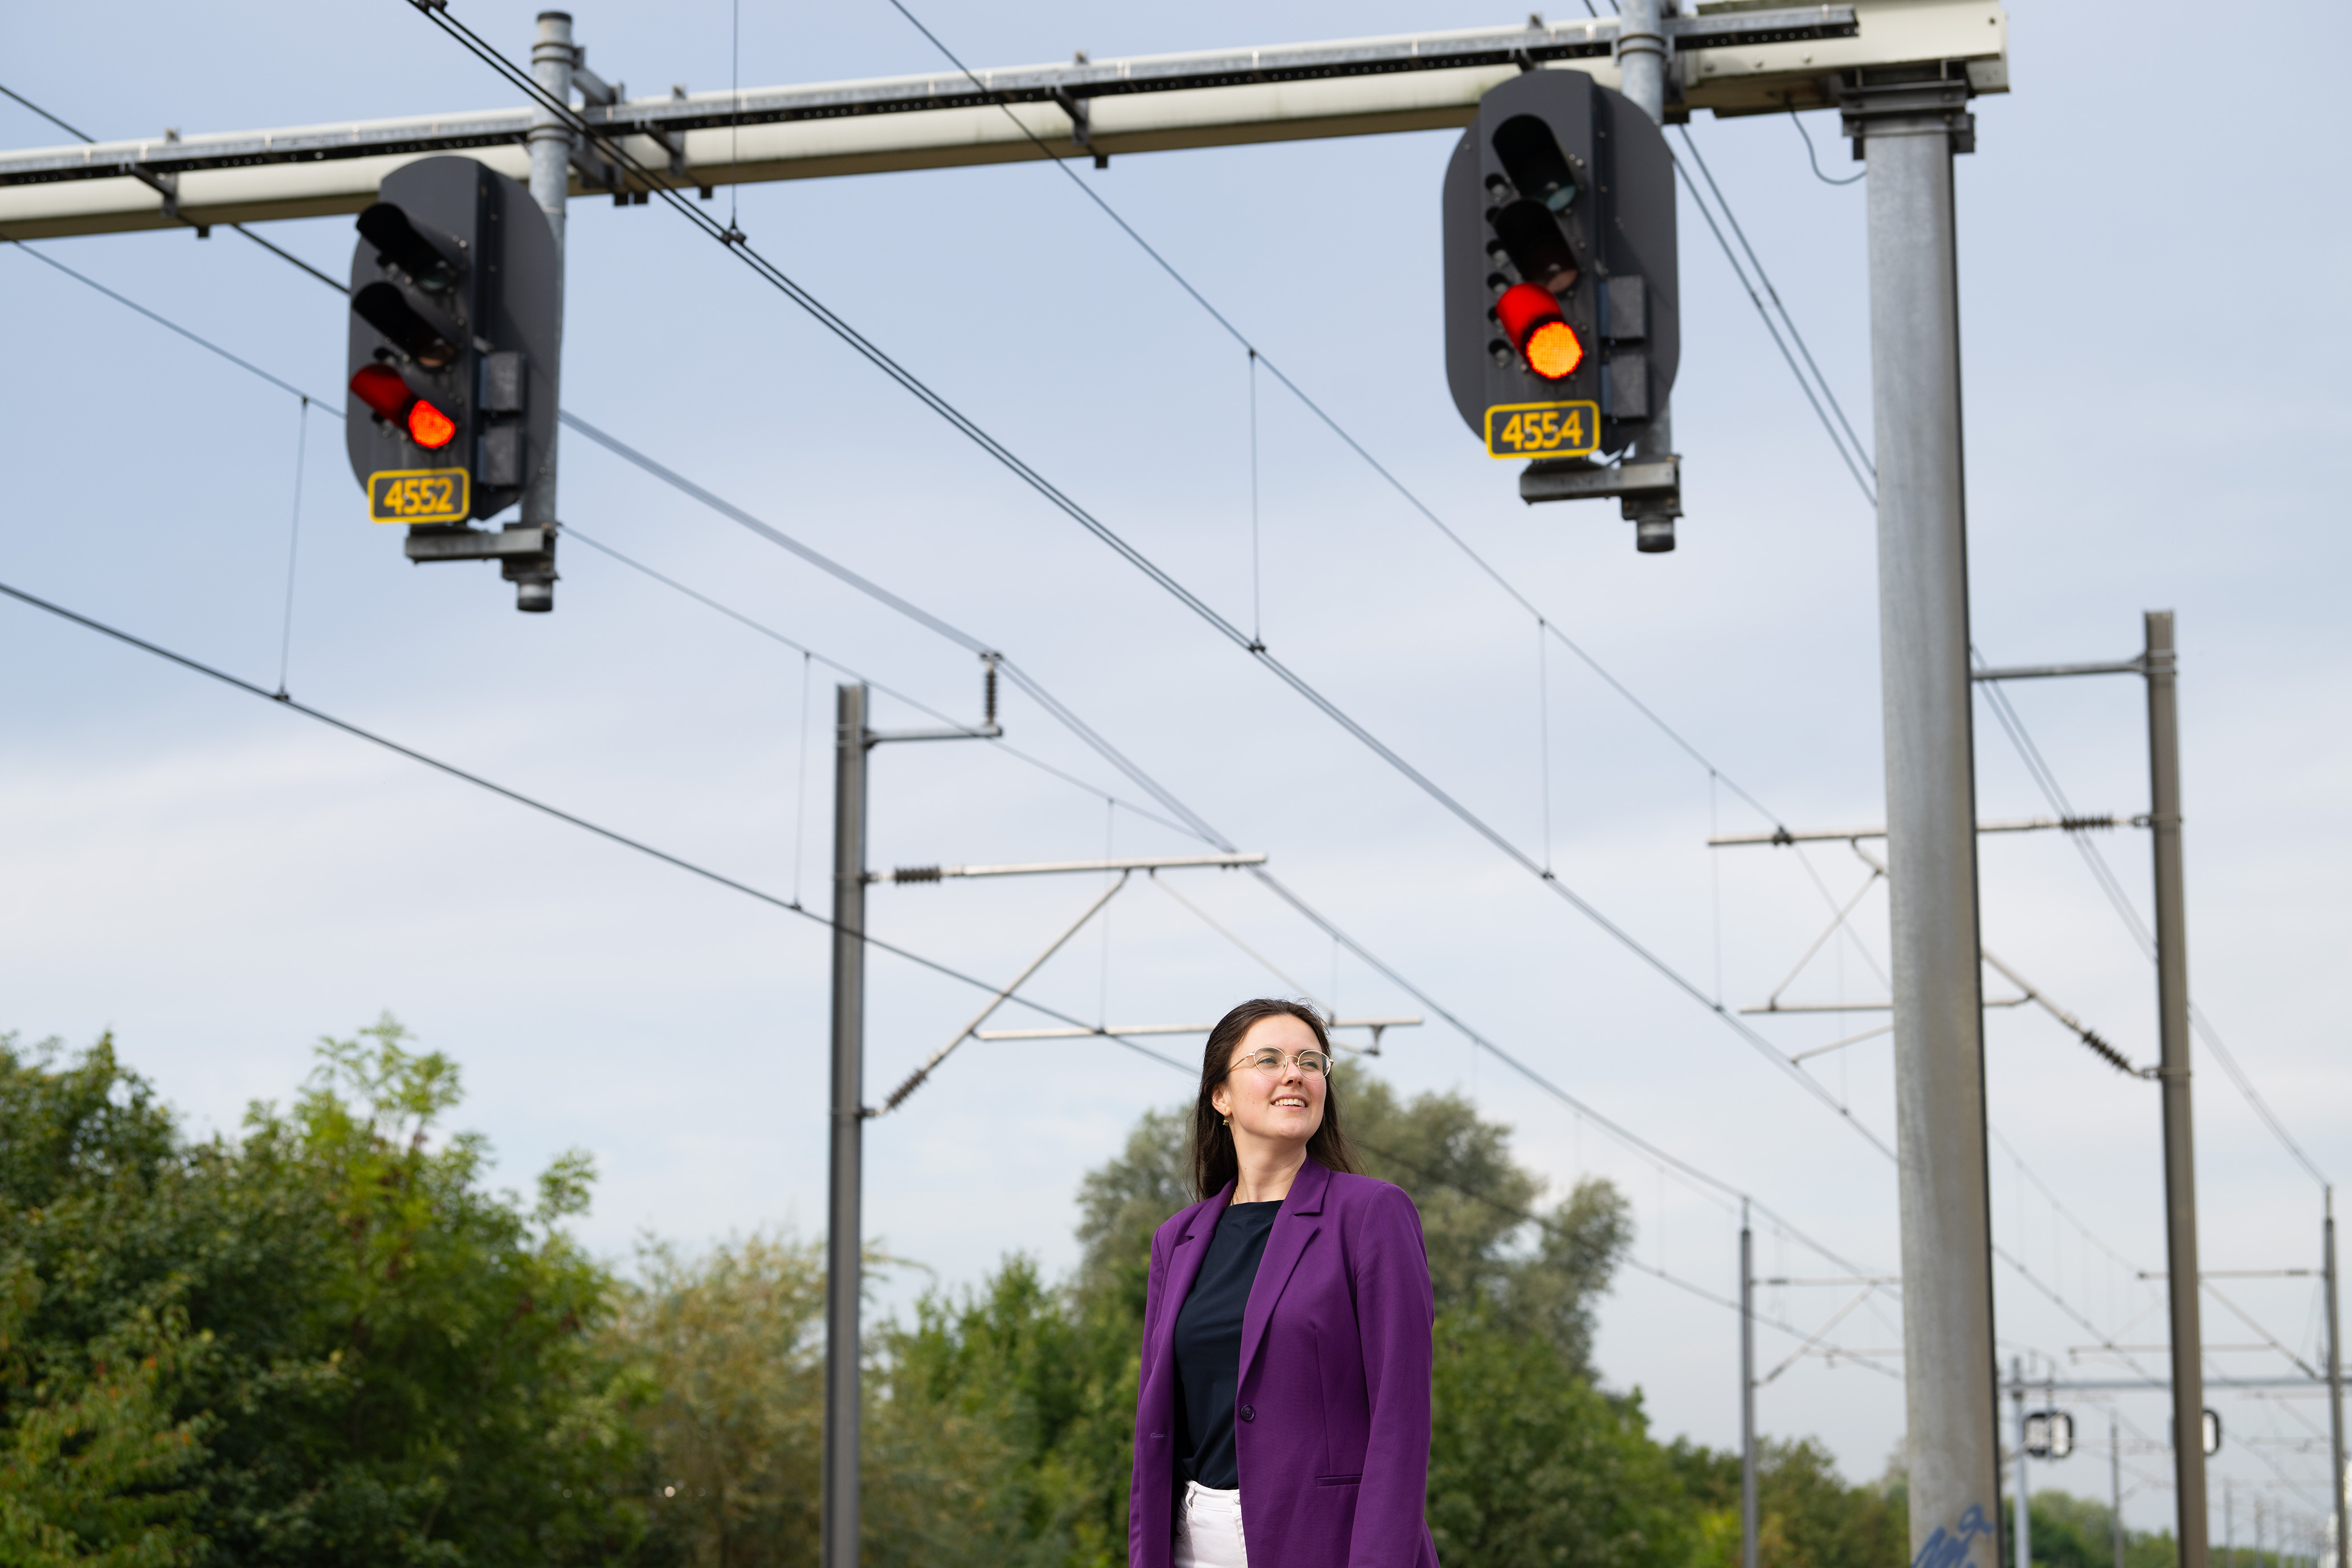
[(327, 1341), (1808, 1516), (323, 1343)]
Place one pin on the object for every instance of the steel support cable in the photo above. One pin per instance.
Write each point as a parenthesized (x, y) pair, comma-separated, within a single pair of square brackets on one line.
[(247, 365), (1085, 733), (863, 584), (1062, 714), (2045, 779), (1869, 491), (560, 815), (2068, 1308), (1198, 826), (1862, 453), (916, 703), (1063, 502), (1527, 1217), (1314, 917), (1259, 356)]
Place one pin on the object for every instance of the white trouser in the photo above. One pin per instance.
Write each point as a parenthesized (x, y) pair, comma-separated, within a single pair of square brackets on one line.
[(1209, 1529)]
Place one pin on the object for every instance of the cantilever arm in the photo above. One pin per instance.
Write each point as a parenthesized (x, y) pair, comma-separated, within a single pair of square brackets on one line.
[(915, 1080)]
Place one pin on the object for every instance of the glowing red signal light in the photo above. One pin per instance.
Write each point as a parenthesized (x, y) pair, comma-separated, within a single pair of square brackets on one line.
[(381, 388), (429, 428), (1530, 316)]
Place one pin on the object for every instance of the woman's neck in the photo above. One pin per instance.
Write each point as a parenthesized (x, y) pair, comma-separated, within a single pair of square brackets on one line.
[(1266, 1170)]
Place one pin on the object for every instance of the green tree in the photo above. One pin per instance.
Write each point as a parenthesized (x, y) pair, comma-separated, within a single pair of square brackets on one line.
[(1808, 1516), (323, 1343), (733, 1344), (1531, 1464), (2069, 1532)]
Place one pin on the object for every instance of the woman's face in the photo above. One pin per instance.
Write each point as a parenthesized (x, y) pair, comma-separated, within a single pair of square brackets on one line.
[(1285, 1105)]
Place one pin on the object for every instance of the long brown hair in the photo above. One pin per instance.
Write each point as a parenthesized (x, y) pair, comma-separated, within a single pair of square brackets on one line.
[(1214, 1161)]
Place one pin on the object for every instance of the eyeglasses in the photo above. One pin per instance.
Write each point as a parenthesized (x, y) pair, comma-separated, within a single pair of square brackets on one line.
[(1313, 1063)]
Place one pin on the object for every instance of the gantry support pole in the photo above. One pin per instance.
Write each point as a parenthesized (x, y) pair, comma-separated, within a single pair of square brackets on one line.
[(1951, 1381), (1644, 48), (552, 56)]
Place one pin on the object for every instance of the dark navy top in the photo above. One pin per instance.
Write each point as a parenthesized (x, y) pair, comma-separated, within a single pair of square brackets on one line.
[(1209, 1346)]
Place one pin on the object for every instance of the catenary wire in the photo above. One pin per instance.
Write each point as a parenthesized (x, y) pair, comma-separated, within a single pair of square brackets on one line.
[(656, 183), (1258, 357), (1860, 452), (2045, 779), (85, 136), (358, 732), (620, 448), (1868, 491), (1070, 720), (631, 453), (753, 624), (1192, 822), (47, 260), (1526, 1216)]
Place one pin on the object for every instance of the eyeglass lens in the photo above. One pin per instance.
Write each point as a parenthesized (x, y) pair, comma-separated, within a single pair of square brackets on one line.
[(1314, 1062)]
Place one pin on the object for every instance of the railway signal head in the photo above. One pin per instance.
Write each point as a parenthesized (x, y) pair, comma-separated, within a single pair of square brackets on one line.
[(451, 364), (2049, 1434), (1561, 334)]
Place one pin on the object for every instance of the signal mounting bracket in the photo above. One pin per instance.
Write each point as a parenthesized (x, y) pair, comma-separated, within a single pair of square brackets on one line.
[(1581, 478), (462, 543)]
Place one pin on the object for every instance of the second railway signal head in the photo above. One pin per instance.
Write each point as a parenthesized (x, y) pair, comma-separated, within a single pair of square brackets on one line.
[(1562, 334), (454, 335)]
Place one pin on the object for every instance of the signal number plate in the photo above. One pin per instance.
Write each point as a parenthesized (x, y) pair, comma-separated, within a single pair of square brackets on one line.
[(419, 495), (1543, 430)]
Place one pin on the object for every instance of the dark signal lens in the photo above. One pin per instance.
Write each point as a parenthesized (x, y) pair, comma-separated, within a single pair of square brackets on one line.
[(429, 428), (380, 305), (389, 229), (380, 387)]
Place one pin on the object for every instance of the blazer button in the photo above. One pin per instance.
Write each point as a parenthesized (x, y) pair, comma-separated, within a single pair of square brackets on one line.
[(1249, 1411)]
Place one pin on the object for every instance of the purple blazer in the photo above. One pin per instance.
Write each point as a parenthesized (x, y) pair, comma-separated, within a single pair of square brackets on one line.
[(1331, 1411)]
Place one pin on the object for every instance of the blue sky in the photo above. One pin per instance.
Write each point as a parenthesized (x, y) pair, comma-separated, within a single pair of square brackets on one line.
[(2152, 318)]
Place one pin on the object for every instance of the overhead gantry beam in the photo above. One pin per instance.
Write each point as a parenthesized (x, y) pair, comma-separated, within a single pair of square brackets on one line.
[(1729, 61)]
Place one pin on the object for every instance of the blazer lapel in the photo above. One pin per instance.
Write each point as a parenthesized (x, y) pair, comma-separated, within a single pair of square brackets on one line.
[(1184, 1256), (1294, 1227)]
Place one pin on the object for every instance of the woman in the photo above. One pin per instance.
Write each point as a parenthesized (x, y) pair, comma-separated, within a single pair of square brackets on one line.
[(1283, 1411)]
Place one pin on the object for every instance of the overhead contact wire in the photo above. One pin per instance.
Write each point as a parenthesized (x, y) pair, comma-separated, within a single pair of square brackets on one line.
[(1150, 569), (359, 733)]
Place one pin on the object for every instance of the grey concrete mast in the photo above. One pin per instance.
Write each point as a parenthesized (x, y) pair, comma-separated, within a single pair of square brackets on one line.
[(2338, 1478), (1907, 134), (844, 1233), (2172, 1074), (1750, 1522)]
